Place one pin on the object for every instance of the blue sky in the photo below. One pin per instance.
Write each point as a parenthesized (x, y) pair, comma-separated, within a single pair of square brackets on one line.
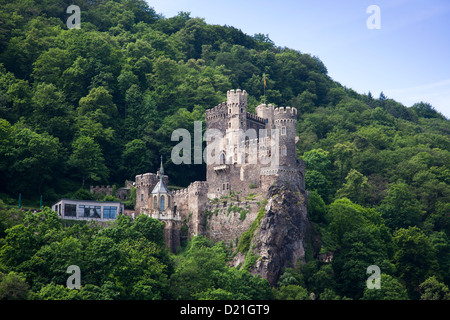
[(408, 58)]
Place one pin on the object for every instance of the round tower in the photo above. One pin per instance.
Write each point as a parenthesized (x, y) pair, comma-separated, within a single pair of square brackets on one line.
[(285, 121)]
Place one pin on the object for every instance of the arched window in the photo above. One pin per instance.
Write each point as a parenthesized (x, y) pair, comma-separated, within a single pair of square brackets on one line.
[(162, 202), (283, 131), (222, 158), (155, 202), (283, 150)]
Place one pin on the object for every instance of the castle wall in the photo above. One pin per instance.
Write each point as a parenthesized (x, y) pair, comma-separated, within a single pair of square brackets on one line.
[(227, 221), (190, 204)]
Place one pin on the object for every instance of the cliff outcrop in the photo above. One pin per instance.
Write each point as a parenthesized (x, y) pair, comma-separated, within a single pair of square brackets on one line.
[(277, 233), (284, 234)]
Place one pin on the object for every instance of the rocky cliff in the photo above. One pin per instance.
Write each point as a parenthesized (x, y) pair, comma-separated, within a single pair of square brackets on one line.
[(284, 234), (275, 234)]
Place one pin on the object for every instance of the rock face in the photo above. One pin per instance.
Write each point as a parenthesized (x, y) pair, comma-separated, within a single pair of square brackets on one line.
[(274, 234), (284, 233)]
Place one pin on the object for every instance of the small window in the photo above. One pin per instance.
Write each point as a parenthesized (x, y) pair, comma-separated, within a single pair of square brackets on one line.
[(155, 202), (283, 131), (283, 150), (142, 197)]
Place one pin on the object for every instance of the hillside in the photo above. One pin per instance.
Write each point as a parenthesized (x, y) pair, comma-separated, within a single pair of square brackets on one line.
[(98, 105)]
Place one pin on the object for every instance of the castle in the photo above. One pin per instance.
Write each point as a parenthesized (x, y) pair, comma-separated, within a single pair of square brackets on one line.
[(249, 153)]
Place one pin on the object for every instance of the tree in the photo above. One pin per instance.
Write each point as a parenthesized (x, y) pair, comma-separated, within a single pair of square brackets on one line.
[(99, 106), (51, 113), (390, 289), (87, 159), (316, 207), (13, 286), (292, 292), (432, 289), (37, 157), (355, 187), (400, 208), (136, 158), (426, 110), (317, 172), (343, 153), (414, 259)]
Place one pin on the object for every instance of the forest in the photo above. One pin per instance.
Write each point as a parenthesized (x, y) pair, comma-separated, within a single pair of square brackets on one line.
[(98, 105)]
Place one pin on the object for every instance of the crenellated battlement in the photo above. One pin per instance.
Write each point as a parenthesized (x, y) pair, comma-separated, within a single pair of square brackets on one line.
[(255, 117), (219, 111), (285, 112), (236, 98)]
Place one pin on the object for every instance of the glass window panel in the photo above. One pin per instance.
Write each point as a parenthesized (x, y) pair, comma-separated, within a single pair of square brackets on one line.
[(70, 210)]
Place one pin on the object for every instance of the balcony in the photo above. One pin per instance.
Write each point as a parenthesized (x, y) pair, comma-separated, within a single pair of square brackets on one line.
[(222, 167)]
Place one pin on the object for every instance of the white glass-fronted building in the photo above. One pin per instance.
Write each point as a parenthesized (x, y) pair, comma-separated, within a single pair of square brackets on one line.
[(88, 210)]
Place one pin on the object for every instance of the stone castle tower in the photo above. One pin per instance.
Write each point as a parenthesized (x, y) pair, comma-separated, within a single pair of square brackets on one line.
[(256, 149), (251, 153)]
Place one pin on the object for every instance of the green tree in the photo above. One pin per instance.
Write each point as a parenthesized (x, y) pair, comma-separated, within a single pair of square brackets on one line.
[(390, 289), (292, 292), (136, 158), (51, 113), (37, 157), (87, 159), (13, 286), (400, 208), (99, 106), (414, 258), (316, 207), (432, 289), (355, 187)]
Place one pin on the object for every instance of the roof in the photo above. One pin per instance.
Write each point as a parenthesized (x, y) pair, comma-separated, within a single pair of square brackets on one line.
[(94, 201), (160, 188)]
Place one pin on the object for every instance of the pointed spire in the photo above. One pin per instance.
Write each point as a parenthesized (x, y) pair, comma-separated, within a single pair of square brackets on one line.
[(161, 169)]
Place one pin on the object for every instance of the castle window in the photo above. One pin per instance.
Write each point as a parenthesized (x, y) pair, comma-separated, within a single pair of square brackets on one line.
[(222, 158), (162, 202), (242, 110), (155, 202), (283, 131), (283, 150), (142, 197)]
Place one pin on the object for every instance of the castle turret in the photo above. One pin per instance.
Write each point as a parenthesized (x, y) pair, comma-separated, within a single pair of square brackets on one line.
[(285, 121), (237, 120), (237, 109)]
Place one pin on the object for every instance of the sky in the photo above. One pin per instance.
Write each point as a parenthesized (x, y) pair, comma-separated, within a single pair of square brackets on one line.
[(407, 57)]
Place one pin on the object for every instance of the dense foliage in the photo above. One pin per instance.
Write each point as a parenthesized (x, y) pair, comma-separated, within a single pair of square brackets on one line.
[(99, 104), (127, 260)]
